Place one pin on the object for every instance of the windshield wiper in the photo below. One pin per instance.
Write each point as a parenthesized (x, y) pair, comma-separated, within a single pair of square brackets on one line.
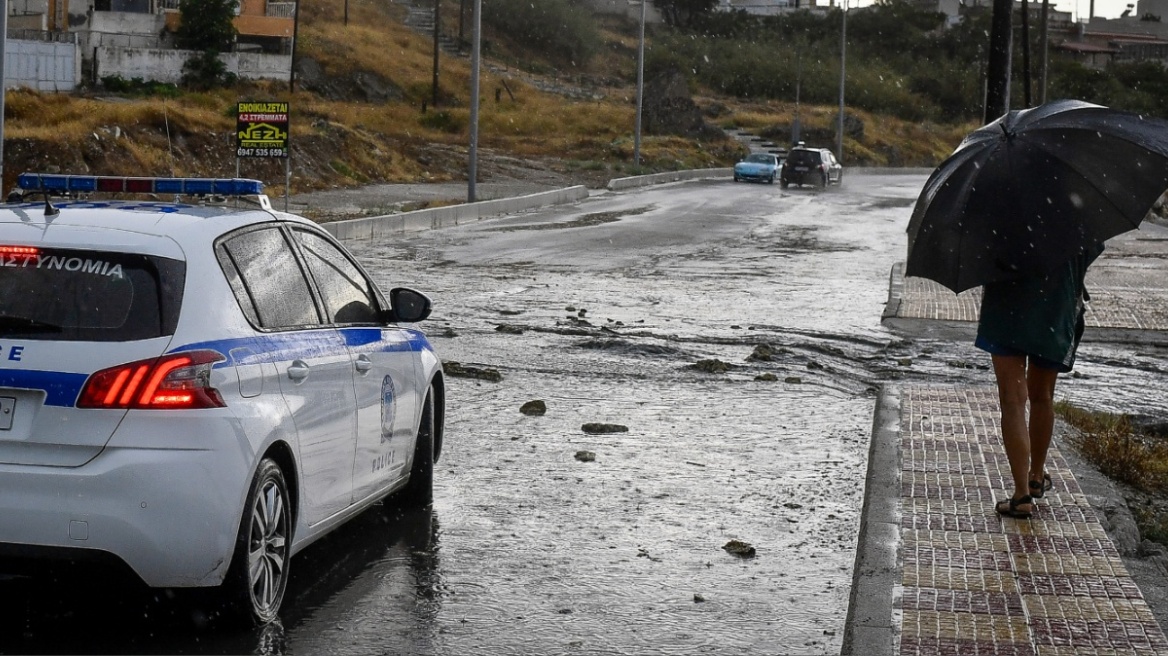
[(26, 325)]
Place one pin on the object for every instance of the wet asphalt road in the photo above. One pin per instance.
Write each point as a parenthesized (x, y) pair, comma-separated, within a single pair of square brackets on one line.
[(644, 309)]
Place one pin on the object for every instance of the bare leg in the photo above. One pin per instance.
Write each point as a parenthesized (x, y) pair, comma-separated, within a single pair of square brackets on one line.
[(1010, 372), (1040, 390)]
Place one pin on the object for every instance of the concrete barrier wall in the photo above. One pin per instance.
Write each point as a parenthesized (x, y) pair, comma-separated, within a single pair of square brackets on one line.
[(617, 184), (390, 225)]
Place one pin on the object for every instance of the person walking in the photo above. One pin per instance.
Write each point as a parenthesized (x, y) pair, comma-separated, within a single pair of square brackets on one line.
[(1031, 327)]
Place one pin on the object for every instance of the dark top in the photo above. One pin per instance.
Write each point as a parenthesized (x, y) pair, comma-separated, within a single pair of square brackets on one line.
[(1039, 316)]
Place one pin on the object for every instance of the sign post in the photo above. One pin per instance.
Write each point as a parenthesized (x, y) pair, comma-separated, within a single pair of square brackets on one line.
[(261, 132)]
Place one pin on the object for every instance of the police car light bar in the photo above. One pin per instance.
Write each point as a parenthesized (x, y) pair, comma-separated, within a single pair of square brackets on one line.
[(103, 183)]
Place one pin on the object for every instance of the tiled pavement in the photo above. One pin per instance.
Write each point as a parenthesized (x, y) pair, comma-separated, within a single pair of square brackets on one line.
[(972, 582), (938, 572)]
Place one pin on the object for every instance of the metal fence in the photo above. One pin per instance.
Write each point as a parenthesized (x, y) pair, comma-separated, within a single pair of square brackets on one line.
[(281, 9), (42, 35)]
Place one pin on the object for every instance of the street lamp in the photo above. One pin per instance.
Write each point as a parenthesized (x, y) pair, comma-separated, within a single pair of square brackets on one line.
[(640, 88), (839, 143), (3, 82), (473, 151)]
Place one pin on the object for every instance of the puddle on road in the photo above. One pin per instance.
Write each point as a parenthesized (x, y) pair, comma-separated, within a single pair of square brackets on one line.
[(542, 553)]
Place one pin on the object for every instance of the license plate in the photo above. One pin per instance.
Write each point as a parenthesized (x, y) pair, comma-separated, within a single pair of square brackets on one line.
[(7, 409), (800, 168)]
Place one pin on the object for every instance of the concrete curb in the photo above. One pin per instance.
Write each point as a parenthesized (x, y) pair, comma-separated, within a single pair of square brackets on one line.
[(390, 225), (870, 628), (617, 184)]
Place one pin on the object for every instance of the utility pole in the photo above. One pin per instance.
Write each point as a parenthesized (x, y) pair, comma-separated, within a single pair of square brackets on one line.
[(295, 31), (640, 87), (997, 100), (1042, 44), (476, 44), (437, 20), (839, 144), (3, 82), (1026, 53)]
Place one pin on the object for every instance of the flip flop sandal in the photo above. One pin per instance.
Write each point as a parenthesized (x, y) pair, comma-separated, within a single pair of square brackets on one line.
[(1038, 489), (1009, 507)]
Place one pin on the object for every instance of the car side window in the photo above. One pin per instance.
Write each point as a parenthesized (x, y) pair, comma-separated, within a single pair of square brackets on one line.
[(268, 283), (348, 295)]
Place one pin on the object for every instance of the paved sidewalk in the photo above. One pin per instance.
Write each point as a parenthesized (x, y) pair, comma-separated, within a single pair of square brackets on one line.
[(938, 572), (964, 580)]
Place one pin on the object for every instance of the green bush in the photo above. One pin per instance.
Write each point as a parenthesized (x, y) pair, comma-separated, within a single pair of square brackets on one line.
[(138, 87), (444, 121), (205, 70)]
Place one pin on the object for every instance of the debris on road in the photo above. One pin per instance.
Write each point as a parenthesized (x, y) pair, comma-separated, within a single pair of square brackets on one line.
[(585, 456), (533, 408), (603, 429), (711, 366), (739, 548), (458, 370)]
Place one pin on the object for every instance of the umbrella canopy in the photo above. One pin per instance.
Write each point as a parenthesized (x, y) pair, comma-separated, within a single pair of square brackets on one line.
[(1025, 193)]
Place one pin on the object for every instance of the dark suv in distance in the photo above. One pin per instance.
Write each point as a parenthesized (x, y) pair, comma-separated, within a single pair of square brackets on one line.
[(814, 166)]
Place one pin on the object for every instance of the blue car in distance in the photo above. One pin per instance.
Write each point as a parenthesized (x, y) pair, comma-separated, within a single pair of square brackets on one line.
[(761, 167)]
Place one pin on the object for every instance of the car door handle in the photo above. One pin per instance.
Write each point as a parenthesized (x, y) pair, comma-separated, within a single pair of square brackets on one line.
[(363, 363), (298, 370)]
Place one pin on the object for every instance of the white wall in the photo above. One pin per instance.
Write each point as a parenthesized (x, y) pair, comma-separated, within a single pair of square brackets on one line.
[(41, 66), (158, 65), (121, 29)]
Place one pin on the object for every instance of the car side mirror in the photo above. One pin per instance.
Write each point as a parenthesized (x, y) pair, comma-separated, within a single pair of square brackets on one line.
[(407, 306)]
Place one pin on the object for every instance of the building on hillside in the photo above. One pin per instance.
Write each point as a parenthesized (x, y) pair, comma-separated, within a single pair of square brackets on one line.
[(954, 10), (136, 38), (263, 25), (629, 8), (774, 7)]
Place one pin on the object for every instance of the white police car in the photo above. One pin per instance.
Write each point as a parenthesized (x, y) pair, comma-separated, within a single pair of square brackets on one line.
[(196, 390)]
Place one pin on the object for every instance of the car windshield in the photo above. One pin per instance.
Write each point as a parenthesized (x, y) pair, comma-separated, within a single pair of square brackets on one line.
[(803, 157), (88, 295), (760, 159)]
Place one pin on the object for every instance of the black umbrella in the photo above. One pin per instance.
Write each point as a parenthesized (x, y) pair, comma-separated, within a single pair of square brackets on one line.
[(1025, 193)]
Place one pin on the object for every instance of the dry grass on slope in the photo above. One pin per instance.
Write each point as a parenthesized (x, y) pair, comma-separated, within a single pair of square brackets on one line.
[(340, 142)]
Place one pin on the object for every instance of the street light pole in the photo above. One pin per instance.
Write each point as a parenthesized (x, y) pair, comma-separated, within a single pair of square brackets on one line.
[(476, 41), (3, 82), (640, 87), (839, 144)]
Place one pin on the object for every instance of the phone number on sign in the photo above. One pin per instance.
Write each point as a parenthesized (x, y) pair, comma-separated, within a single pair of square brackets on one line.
[(261, 152)]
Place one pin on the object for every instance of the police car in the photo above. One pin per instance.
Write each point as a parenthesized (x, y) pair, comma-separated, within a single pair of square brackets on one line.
[(197, 390)]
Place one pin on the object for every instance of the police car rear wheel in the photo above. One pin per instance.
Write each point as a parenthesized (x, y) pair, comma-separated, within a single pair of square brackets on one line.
[(259, 568), (419, 491)]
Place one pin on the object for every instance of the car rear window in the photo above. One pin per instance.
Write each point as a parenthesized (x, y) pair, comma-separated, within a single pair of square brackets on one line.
[(83, 295), (803, 157)]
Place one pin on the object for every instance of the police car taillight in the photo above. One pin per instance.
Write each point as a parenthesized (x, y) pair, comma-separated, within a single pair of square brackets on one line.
[(175, 381)]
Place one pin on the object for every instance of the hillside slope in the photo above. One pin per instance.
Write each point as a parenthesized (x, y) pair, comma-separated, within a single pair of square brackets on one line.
[(363, 112)]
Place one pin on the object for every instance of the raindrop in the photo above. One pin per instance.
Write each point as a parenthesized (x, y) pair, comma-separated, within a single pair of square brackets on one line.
[(1077, 201)]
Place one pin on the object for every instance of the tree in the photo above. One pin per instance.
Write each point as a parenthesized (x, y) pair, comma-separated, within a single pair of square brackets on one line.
[(684, 13), (208, 27)]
